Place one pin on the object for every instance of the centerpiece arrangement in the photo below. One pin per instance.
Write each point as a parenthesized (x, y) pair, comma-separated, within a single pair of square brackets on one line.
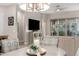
[(35, 49)]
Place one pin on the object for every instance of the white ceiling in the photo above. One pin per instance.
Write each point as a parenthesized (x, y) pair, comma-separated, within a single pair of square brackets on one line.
[(63, 6), (6, 4), (52, 9)]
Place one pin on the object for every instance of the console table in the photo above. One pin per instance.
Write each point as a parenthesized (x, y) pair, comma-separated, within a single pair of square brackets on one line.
[(2, 37)]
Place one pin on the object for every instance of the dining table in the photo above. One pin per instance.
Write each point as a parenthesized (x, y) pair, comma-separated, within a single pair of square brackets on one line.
[(50, 51)]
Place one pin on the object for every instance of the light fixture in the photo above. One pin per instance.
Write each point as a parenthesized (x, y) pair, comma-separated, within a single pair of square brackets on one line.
[(58, 8), (34, 7)]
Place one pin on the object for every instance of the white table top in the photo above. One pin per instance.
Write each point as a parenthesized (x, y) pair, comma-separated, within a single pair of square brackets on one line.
[(51, 51)]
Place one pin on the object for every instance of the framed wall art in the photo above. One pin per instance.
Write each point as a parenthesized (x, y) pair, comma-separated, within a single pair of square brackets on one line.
[(10, 21)]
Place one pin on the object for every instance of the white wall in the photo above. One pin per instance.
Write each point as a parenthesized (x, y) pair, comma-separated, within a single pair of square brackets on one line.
[(45, 24), (6, 12), (48, 25), (1, 20), (11, 31), (68, 14), (20, 23)]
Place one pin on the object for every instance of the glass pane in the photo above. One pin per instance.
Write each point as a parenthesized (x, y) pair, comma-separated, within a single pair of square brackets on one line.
[(54, 27), (61, 27), (77, 27), (71, 27)]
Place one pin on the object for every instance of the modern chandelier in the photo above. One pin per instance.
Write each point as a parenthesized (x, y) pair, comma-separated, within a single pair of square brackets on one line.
[(34, 7)]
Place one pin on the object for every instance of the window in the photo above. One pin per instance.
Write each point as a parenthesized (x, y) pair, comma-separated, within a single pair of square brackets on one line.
[(62, 27)]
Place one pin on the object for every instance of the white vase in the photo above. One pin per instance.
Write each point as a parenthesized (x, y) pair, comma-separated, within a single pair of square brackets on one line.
[(36, 42)]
